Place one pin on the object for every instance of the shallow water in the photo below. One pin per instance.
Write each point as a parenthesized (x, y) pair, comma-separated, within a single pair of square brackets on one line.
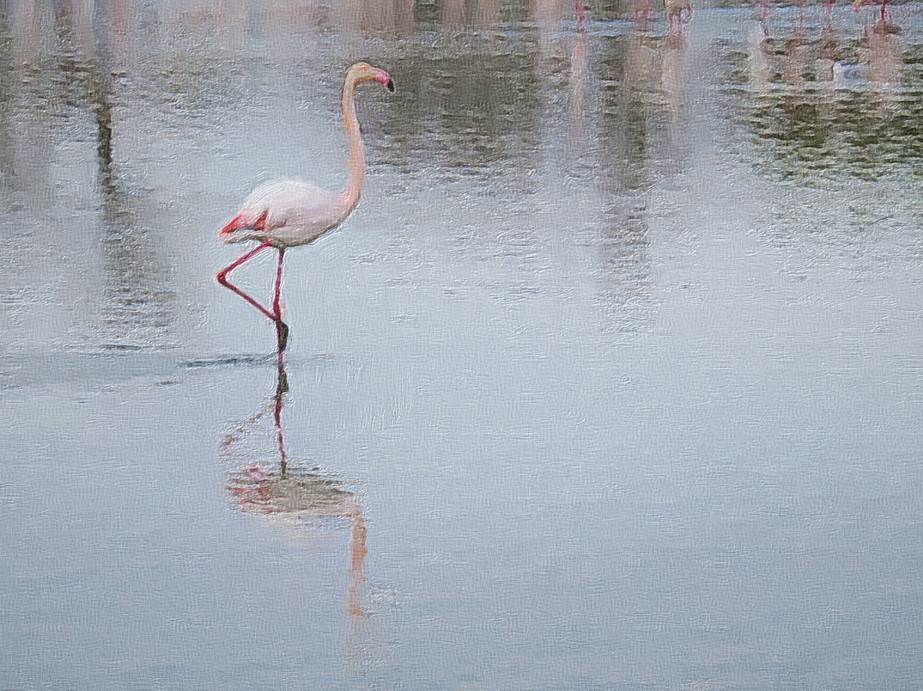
[(613, 379)]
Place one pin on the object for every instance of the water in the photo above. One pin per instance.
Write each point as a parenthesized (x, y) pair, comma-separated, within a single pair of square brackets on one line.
[(612, 380)]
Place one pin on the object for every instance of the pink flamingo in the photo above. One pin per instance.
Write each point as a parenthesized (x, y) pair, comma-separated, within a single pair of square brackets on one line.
[(580, 11), (675, 9), (882, 26), (288, 213)]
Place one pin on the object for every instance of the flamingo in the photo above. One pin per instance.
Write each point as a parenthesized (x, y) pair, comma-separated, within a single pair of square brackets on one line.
[(288, 213), (883, 25), (675, 9)]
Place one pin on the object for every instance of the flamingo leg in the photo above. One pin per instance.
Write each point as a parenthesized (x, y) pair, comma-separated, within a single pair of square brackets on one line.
[(281, 389), (281, 326), (222, 277)]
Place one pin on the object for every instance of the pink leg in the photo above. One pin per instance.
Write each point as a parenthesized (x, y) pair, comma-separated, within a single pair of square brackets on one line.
[(281, 388), (276, 300), (223, 280), (281, 326)]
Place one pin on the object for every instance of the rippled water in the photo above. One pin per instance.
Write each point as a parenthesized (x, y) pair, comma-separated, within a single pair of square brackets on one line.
[(613, 379)]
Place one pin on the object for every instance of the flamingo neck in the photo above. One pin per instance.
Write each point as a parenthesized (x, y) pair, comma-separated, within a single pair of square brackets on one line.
[(355, 160)]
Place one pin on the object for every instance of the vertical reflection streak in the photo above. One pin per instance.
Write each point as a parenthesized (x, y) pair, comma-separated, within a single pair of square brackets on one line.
[(295, 493)]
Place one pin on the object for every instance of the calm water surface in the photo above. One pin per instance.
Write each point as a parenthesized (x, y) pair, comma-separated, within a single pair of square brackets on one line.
[(613, 379)]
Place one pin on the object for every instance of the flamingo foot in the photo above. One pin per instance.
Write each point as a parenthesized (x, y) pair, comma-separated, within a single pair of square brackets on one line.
[(282, 335)]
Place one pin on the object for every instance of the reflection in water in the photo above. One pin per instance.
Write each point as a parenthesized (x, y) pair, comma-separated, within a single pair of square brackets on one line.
[(288, 491), (738, 387), (759, 57), (579, 68), (138, 309), (479, 108), (797, 54), (67, 103), (673, 80), (550, 93), (825, 103), (644, 139), (886, 64)]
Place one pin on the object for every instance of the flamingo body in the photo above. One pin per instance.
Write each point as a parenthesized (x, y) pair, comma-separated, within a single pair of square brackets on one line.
[(286, 213)]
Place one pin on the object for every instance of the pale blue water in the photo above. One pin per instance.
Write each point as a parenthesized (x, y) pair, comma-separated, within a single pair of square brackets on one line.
[(613, 379)]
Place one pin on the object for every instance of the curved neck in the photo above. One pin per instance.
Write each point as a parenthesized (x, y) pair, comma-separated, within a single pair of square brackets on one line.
[(355, 161)]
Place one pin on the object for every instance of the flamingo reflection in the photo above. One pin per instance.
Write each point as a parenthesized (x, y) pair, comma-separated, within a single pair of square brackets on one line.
[(885, 62), (673, 83), (579, 68), (294, 492)]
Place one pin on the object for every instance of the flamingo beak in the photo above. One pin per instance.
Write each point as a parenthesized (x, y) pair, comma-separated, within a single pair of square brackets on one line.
[(384, 79)]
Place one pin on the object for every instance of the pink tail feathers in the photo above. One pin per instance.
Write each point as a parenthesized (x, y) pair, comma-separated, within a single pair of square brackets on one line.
[(240, 221)]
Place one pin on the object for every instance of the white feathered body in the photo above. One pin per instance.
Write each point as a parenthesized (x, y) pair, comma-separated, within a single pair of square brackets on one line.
[(288, 213)]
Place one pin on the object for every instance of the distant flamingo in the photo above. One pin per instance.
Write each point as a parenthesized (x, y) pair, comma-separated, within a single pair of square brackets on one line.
[(883, 25), (580, 11), (287, 213), (675, 9)]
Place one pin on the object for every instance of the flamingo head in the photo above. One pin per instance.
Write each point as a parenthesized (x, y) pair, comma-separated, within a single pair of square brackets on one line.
[(364, 72), (857, 4)]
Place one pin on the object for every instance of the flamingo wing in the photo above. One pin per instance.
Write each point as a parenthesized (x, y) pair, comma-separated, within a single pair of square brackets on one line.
[(240, 222), (289, 212)]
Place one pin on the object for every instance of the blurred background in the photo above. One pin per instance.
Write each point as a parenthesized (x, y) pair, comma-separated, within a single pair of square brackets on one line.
[(612, 379)]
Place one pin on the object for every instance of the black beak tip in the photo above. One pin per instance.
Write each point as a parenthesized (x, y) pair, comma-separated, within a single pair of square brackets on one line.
[(390, 85)]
